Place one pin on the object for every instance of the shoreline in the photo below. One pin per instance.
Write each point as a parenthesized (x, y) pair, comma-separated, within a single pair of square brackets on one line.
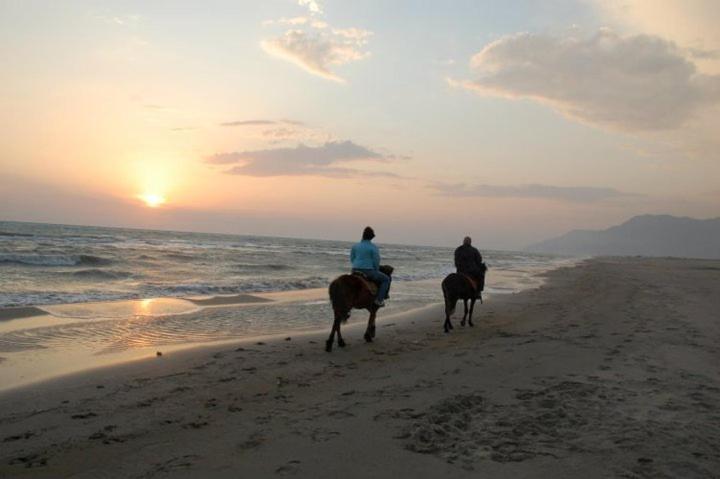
[(605, 370), (9, 313), (34, 362), (149, 361)]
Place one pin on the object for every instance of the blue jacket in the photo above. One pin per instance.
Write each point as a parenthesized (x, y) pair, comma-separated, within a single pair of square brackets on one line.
[(365, 255)]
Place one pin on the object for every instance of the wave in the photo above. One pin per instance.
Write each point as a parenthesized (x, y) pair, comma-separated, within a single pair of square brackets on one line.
[(255, 286), (10, 233), (37, 298), (54, 260), (252, 267), (94, 273), (180, 256)]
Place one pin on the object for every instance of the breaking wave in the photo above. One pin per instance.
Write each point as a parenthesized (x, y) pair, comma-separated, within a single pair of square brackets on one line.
[(94, 273), (54, 260)]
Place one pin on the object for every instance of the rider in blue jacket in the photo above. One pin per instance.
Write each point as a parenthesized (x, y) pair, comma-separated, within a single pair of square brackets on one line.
[(365, 259)]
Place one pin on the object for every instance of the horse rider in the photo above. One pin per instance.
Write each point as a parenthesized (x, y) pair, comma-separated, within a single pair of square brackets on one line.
[(365, 259), (468, 260)]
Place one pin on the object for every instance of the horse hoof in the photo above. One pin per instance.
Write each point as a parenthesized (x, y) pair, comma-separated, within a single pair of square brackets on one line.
[(341, 343), (462, 323), (368, 338), (328, 346), (471, 325)]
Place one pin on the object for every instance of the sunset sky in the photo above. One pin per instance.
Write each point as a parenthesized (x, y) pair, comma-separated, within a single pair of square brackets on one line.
[(511, 121)]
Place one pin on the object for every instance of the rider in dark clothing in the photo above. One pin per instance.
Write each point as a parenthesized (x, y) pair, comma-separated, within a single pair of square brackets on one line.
[(468, 260)]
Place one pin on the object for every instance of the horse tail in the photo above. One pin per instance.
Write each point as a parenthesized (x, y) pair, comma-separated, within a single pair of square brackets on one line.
[(448, 301), (337, 299)]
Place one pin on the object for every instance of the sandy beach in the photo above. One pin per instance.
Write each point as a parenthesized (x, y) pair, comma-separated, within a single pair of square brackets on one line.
[(608, 370)]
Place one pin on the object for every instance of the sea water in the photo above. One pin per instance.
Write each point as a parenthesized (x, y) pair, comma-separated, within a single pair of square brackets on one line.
[(110, 291)]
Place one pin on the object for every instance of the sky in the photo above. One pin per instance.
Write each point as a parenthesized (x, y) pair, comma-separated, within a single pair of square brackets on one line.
[(510, 121)]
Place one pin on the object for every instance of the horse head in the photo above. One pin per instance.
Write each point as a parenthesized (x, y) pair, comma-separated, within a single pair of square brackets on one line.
[(387, 269)]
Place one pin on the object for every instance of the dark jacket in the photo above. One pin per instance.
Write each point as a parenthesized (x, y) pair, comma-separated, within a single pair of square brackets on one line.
[(468, 260)]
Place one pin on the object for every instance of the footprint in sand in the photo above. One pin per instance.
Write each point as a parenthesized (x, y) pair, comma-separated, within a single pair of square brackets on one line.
[(29, 461), (256, 439), (17, 437), (290, 468), (83, 415)]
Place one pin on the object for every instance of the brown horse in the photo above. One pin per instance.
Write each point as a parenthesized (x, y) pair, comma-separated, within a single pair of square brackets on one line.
[(459, 286), (352, 291)]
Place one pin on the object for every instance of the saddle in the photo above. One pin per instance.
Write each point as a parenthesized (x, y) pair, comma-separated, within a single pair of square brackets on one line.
[(477, 286), (473, 282), (371, 285)]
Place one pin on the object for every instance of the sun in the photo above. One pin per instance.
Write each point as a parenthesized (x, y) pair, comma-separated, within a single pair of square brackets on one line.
[(152, 200)]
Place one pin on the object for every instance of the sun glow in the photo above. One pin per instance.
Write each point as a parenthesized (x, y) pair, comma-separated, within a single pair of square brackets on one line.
[(152, 200)]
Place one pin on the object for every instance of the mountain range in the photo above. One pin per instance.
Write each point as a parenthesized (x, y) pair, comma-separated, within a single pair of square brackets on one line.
[(646, 235)]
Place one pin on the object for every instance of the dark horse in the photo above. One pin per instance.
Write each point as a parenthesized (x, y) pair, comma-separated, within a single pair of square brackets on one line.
[(459, 286), (353, 291)]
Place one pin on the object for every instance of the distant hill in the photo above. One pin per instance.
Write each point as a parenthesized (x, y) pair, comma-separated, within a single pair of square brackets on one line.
[(646, 235)]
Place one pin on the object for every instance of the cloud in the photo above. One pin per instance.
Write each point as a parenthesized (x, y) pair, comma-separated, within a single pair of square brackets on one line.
[(691, 24), (293, 21), (314, 46), (317, 51), (313, 6), (249, 123), (580, 194), (631, 83), (320, 160), (277, 131), (152, 106), (281, 133), (123, 20)]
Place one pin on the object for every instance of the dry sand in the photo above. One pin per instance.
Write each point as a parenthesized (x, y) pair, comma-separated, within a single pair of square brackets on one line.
[(609, 370)]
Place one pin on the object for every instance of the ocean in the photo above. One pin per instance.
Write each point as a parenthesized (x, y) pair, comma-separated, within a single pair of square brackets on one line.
[(114, 290)]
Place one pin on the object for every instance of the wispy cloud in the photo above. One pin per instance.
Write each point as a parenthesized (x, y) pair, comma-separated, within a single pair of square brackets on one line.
[(631, 83), (119, 19), (324, 160), (317, 51), (250, 122), (313, 45), (277, 131), (582, 194), (152, 106)]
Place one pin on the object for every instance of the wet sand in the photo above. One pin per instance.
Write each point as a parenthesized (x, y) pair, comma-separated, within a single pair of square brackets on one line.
[(228, 300), (608, 370), (7, 314)]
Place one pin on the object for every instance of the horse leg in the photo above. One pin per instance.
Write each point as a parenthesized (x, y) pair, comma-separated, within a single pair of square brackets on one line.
[(339, 319), (370, 331), (341, 341), (472, 307), (331, 339), (339, 316), (449, 308), (462, 323)]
